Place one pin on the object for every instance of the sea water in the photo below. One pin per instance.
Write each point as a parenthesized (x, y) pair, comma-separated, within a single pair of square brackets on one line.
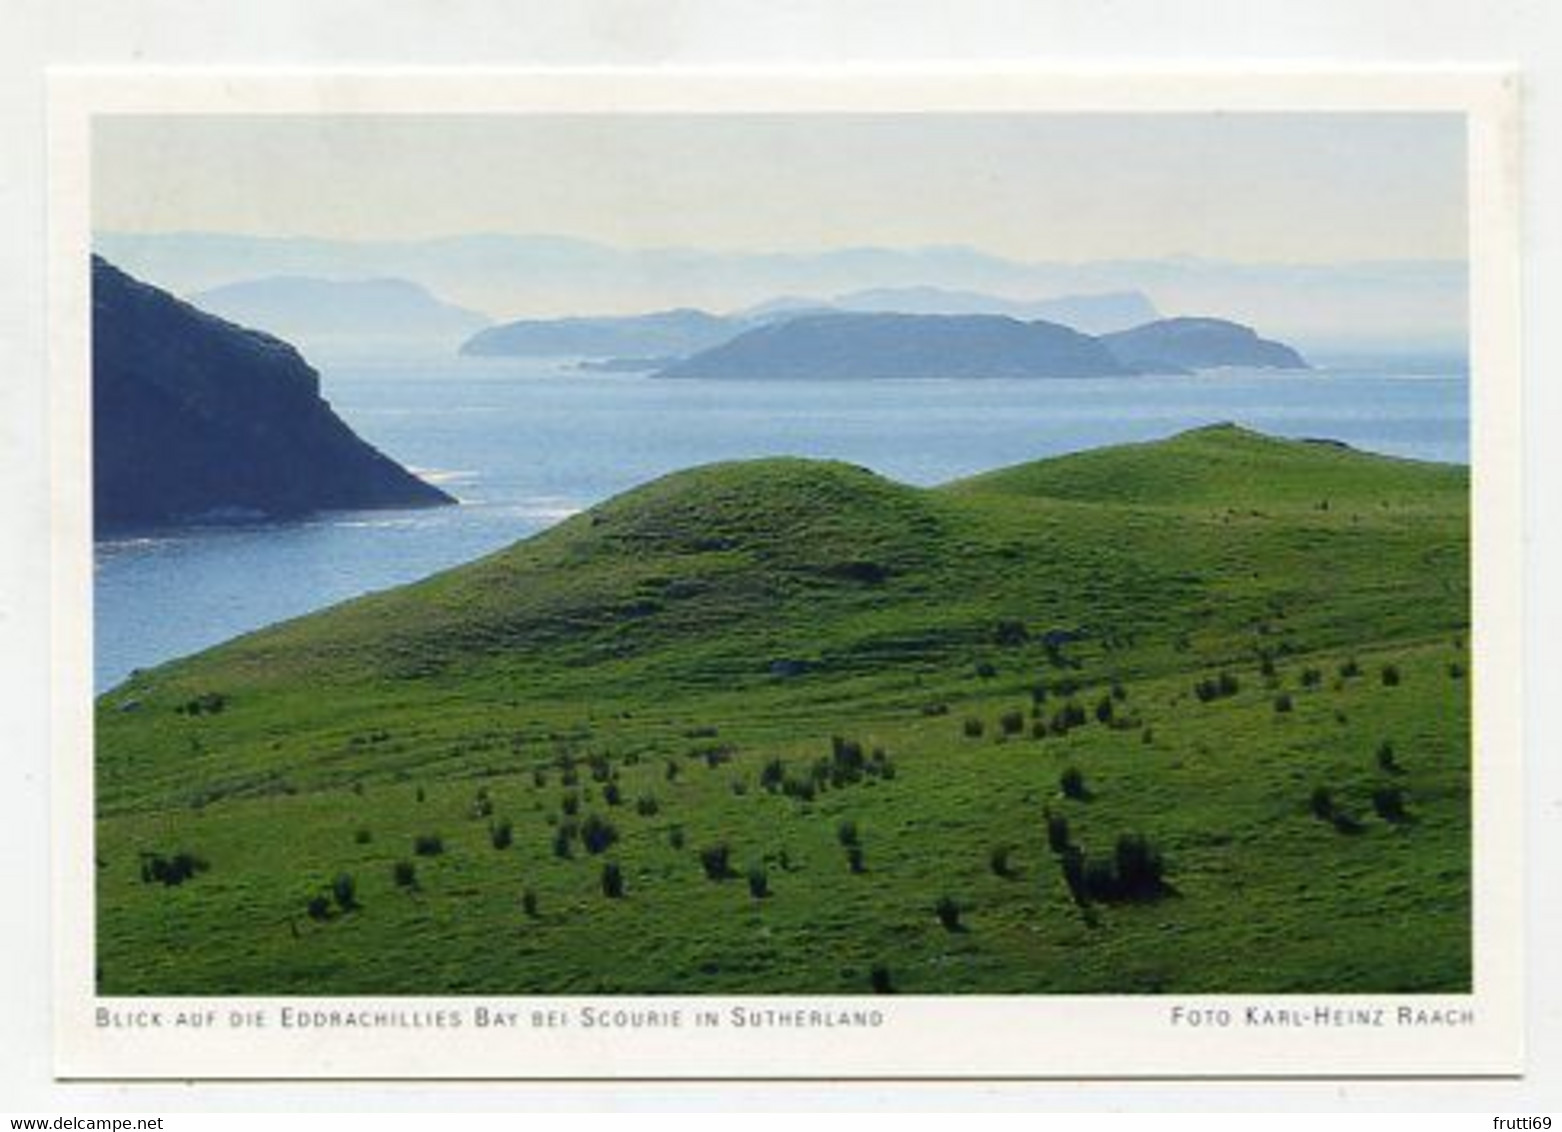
[(523, 444)]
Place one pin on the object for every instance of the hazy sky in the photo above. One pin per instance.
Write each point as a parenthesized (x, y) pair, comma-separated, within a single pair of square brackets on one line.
[(1277, 187)]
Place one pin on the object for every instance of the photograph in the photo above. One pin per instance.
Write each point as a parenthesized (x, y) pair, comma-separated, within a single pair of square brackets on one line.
[(744, 566)]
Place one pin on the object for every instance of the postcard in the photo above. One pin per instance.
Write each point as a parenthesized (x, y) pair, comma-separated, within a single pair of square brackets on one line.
[(655, 575)]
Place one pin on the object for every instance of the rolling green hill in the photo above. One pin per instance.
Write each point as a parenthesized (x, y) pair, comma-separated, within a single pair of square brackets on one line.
[(1188, 716)]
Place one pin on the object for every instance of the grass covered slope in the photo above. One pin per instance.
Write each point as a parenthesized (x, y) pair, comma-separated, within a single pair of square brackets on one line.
[(1094, 724)]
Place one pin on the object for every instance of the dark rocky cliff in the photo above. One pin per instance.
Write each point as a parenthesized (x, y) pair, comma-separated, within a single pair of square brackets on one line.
[(197, 418)]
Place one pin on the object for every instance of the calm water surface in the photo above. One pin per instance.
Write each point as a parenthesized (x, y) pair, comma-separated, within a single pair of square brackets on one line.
[(524, 444)]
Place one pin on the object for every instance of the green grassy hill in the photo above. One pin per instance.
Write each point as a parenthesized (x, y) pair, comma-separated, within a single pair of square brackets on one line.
[(1102, 723)]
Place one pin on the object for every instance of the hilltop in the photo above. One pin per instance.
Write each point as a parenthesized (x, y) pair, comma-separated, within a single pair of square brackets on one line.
[(835, 734), (1173, 344), (198, 419)]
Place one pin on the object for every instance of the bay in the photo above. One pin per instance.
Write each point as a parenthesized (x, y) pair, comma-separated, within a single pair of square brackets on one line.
[(526, 443)]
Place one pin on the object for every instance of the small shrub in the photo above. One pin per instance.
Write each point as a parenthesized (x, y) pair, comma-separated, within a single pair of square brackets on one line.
[(671, 772), (319, 907), (502, 834), (1390, 675), (647, 806), (1389, 802), (345, 891), (1104, 710), (1038, 728), (998, 861), (675, 837), (363, 837), (1139, 868), (986, 670), (1010, 633), (539, 778), (1071, 862), (854, 860), (1386, 758), (948, 912), (1350, 668), (935, 709), (405, 874), (421, 795), (716, 861), (1057, 833), (772, 776), (597, 834), (1283, 703), (879, 980), (1072, 782), (1345, 822), (570, 804), (564, 841), (847, 833), (612, 881), (973, 727), (758, 882), (1322, 803), (529, 904), (1455, 670), (1311, 677), (611, 794), (428, 845), (170, 871), (1011, 722)]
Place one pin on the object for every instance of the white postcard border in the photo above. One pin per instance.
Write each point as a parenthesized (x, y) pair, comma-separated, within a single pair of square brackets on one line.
[(916, 1037)]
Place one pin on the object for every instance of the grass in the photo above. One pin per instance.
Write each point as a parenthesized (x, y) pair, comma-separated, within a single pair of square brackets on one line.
[(727, 619)]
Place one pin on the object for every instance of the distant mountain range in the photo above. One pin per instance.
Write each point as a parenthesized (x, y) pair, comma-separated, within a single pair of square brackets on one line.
[(197, 419), (1402, 305), (661, 334), (838, 345), (337, 315), (1089, 314)]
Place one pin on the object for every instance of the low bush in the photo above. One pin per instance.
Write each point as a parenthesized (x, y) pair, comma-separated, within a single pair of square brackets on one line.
[(405, 874), (1283, 703), (1387, 760), (596, 834), (647, 806), (716, 860), (363, 837), (758, 882), (501, 834), (1058, 833), (847, 832), (171, 871), (529, 903), (973, 727), (612, 881), (948, 912), (1389, 802), (1390, 675), (428, 845), (998, 861), (319, 907), (1011, 722), (879, 980), (1072, 783), (1321, 803), (345, 891), (854, 859)]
